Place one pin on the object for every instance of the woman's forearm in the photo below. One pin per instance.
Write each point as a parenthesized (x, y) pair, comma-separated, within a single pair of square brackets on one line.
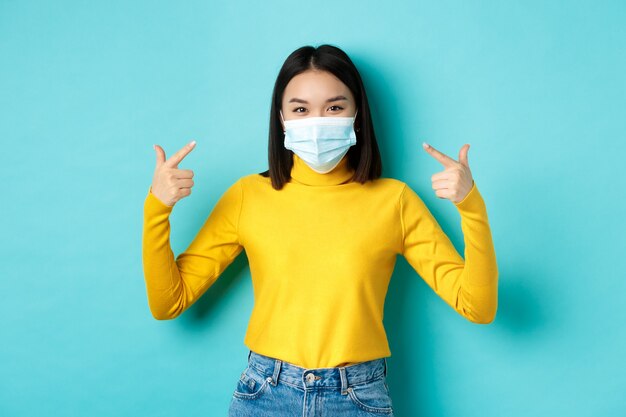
[(159, 267), (478, 295)]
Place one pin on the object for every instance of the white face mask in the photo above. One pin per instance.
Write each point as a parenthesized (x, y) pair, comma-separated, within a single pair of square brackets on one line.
[(321, 142)]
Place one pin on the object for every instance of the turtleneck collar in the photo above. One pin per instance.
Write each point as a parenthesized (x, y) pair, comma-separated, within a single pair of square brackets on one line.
[(303, 174)]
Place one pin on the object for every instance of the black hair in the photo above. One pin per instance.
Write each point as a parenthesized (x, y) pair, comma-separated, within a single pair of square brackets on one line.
[(364, 156)]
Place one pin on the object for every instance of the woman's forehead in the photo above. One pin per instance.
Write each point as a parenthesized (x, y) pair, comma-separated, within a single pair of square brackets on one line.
[(315, 85)]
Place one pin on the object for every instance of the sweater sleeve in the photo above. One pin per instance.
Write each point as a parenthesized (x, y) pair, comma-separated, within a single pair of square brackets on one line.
[(174, 284), (469, 286)]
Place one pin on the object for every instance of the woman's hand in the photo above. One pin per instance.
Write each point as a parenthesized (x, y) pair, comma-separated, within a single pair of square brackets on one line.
[(456, 181), (169, 183)]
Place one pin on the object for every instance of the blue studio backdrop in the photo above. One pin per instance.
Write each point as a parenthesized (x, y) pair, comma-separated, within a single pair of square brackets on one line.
[(538, 89)]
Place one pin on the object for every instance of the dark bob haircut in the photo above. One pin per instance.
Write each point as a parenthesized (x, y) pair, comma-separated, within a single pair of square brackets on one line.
[(364, 156)]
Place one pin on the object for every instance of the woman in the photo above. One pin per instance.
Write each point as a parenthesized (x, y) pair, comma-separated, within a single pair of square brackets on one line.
[(321, 229)]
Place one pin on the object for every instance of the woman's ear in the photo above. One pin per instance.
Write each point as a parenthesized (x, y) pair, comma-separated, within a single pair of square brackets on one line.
[(282, 120)]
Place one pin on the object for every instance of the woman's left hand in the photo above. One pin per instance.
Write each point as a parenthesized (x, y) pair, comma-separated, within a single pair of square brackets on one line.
[(456, 181)]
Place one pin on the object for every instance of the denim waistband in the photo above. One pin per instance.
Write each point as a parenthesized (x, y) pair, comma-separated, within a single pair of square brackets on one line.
[(338, 377)]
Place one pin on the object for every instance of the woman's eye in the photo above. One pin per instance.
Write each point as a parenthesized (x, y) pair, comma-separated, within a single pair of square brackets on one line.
[(297, 110), (335, 108)]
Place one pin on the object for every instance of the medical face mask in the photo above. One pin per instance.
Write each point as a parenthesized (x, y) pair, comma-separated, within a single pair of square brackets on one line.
[(321, 142)]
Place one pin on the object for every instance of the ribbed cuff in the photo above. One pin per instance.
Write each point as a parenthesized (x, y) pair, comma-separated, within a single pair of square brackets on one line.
[(153, 205), (473, 201)]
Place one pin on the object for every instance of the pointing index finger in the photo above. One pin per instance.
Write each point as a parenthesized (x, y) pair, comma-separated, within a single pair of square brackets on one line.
[(175, 159), (439, 156)]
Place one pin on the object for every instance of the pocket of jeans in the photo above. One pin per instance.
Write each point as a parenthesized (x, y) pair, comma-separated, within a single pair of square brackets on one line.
[(372, 396), (251, 385)]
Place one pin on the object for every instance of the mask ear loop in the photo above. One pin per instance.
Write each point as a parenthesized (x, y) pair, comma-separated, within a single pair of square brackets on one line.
[(281, 118), (355, 113)]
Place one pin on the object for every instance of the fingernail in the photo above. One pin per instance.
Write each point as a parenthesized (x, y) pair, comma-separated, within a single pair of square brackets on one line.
[(193, 142), (425, 145)]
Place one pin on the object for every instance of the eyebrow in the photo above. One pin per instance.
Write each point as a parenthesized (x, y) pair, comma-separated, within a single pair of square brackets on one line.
[(299, 100)]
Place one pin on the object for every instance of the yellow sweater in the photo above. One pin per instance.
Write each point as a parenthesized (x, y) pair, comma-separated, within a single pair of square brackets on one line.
[(321, 254)]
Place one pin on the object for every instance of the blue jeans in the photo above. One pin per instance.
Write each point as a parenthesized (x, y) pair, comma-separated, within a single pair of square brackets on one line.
[(269, 387)]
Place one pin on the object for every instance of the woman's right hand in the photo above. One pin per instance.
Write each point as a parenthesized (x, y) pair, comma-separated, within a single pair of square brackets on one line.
[(169, 183)]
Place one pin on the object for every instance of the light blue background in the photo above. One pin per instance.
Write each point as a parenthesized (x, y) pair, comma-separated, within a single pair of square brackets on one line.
[(537, 88)]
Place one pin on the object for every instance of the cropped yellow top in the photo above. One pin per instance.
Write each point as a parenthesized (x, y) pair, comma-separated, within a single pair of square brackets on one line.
[(321, 253)]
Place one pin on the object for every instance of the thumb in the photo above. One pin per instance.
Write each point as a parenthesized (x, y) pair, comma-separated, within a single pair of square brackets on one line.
[(160, 155), (463, 155)]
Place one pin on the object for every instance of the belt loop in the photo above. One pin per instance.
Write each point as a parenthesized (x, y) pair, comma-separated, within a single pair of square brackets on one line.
[(250, 353), (385, 362), (277, 365), (344, 380)]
